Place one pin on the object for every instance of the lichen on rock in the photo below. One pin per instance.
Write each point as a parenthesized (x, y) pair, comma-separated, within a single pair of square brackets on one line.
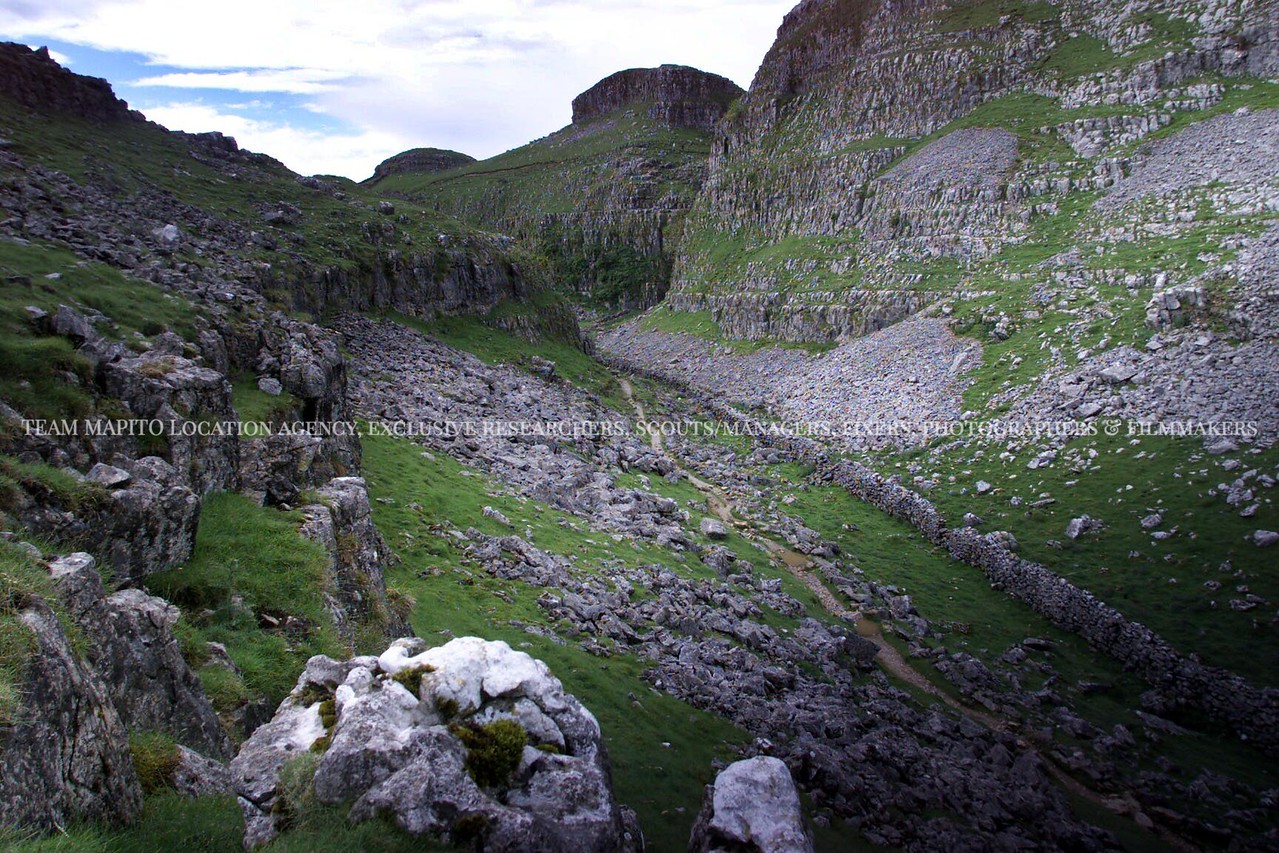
[(476, 771)]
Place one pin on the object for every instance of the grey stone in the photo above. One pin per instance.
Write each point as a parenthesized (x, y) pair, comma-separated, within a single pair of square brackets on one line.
[(109, 476), (391, 750), (713, 528), (753, 805), (65, 752), (1265, 538)]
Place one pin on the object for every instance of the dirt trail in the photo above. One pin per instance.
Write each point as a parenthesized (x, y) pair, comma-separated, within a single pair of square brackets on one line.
[(887, 656), (800, 565)]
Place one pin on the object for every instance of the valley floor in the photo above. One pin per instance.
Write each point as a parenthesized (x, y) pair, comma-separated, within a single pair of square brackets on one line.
[(609, 546)]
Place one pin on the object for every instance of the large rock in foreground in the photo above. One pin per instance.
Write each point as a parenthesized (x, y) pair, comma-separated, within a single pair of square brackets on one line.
[(466, 741), (753, 806)]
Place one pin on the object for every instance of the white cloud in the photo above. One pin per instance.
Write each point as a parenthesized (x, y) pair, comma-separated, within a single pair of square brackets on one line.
[(309, 152), (480, 77), (297, 81)]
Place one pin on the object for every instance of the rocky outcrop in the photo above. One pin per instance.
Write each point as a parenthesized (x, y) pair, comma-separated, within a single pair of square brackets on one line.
[(174, 391), (753, 806), (32, 78), (673, 94), (65, 753), (422, 160), (136, 654), (470, 741), (342, 522)]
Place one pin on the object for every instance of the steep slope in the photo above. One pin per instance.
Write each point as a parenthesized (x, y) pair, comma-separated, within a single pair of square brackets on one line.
[(603, 198), (885, 148)]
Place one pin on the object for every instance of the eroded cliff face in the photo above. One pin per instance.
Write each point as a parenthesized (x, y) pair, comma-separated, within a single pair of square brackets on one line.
[(675, 95), (863, 167)]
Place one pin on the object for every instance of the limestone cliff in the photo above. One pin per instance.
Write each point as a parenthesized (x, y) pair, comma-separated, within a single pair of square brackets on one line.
[(33, 79), (856, 180)]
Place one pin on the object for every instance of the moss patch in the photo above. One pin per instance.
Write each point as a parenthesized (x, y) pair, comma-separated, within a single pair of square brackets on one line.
[(493, 750)]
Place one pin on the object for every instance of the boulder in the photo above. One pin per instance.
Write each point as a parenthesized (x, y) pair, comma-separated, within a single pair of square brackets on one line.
[(200, 776), (753, 806), (1265, 538), (467, 739), (1077, 527), (70, 323), (64, 749), (713, 528), (343, 523), (108, 476), (138, 657), (270, 385)]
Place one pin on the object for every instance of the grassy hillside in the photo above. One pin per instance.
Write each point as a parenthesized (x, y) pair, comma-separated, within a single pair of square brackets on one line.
[(306, 244), (598, 199)]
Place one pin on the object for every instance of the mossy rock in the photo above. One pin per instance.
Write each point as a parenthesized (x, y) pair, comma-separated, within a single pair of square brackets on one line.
[(493, 750), (411, 678)]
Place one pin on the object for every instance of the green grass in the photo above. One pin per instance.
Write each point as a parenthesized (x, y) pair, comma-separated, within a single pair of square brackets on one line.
[(156, 758), (1163, 585), (214, 825), (253, 405), (22, 580), (981, 14), (130, 305), (1080, 55), (47, 485), (44, 376), (250, 560), (702, 324)]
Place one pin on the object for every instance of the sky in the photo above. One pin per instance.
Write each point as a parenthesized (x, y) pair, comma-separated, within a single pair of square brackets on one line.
[(334, 87)]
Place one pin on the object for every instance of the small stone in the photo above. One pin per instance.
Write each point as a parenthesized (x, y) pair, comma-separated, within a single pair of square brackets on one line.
[(497, 516), (1079, 526), (167, 235), (270, 385), (1118, 373), (1265, 538), (109, 476)]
